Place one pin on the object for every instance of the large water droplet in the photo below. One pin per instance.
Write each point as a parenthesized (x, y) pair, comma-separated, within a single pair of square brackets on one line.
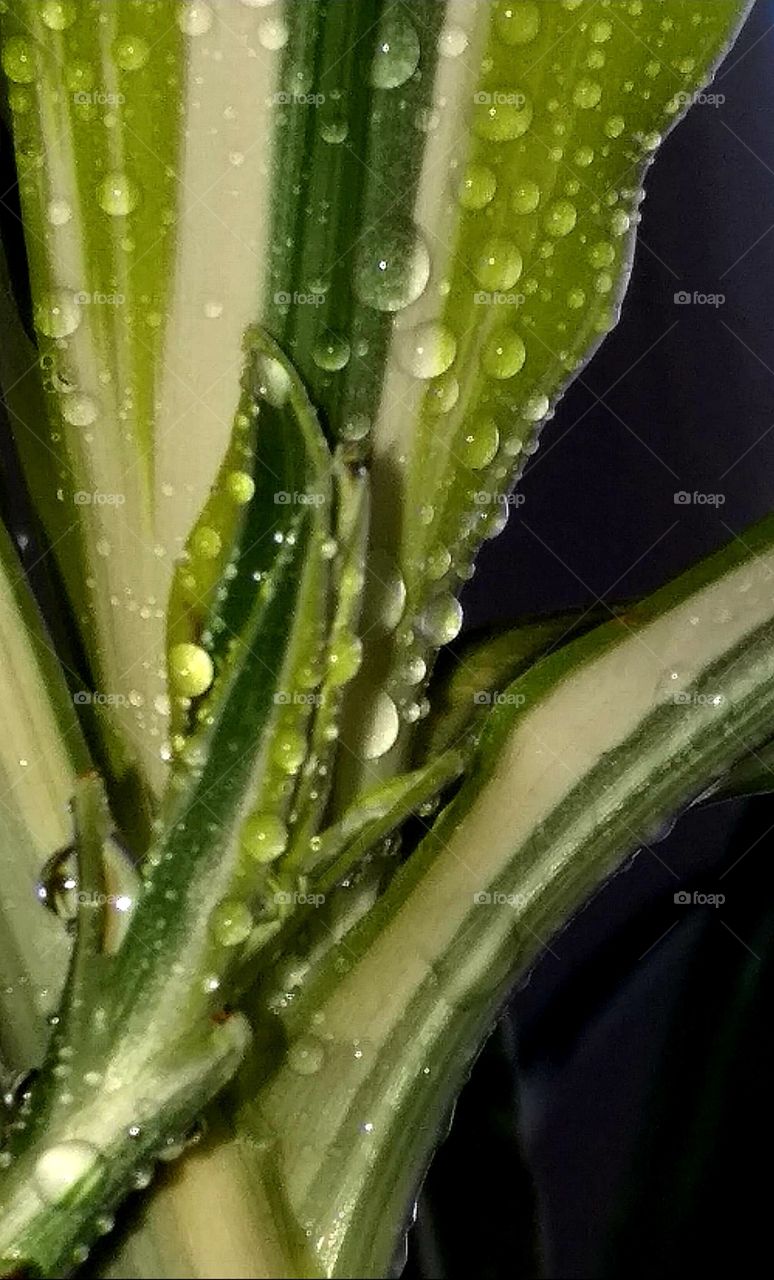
[(526, 196), (58, 15), (381, 728), (442, 619), (264, 837), (392, 267), (331, 353), (131, 52), (57, 314), (195, 19), (59, 212), (396, 56), (231, 923), (17, 61), (499, 264), (289, 750), (118, 194), (62, 1167), (480, 443), (427, 351), (477, 187), (560, 218), (517, 21), (190, 670), (503, 354), (79, 410), (587, 94)]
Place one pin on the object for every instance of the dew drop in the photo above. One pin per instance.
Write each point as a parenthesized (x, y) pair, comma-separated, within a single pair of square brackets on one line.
[(584, 156), (131, 53), (602, 255), (79, 410), (240, 487), (273, 34), (499, 265), (195, 19), (213, 310), (442, 619), (480, 444), (289, 751), (59, 212), (452, 42), (392, 267), (57, 314), (190, 670), (477, 187), (517, 21), (396, 56), (587, 94), (576, 298), (560, 218), (536, 408), (620, 223), (231, 923), (17, 61), (58, 15), (601, 31), (306, 1055), (264, 837), (206, 543), (331, 353), (615, 126), (118, 195), (380, 729), (526, 196), (345, 658), (502, 116), (503, 354), (334, 131), (62, 1167), (427, 351)]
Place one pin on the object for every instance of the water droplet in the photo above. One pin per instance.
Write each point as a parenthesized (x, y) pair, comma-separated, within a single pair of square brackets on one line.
[(345, 658), (17, 61), (118, 195), (477, 187), (443, 393), (427, 351), (560, 218), (526, 196), (62, 1167), (231, 923), (452, 42), (517, 21), (79, 410), (602, 254), (503, 354), (57, 314), (442, 619), (213, 310), (615, 126), (273, 34), (331, 353), (392, 267), (502, 116), (356, 427), (273, 380), (58, 212), (536, 408), (195, 19), (289, 750), (206, 543), (414, 670), (240, 487), (576, 298), (58, 15), (587, 94), (396, 56), (190, 670), (58, 885), (264, 837), (438, 563), (380, 729), (306, 1055), (601, 31), (584, 156), (620, 222), (480, 443), (131, 52), (499, 265)]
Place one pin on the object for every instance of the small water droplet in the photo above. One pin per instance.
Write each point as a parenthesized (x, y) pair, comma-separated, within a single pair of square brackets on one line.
[(560, 218), (442, 619), (190, 670), (380, 729), (427, 351), (392, 267), (79, 410), (57, 314), (118, 195), (331, 353), (264, 837), (240, 487), (306, 1055), (480, 443), (503, 354), (396, 56), (587, 94), (59, 212), (499, 265), (195, 19), (502, 115), (517, 21), (59, 1169), (131, 52), (526, 196), (477, 187), (231, 923)]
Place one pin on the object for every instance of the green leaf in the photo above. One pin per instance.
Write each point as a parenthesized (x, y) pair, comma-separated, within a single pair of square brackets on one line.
[(611, 735)]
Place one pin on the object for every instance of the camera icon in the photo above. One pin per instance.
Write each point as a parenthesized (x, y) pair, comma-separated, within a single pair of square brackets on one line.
[(82, 698), (82, 99), (481, 298), (683, 299), (682, 499), (83, 299), (282, 299), (681, 698), (482, 498), (282, 499), (282, 699), (683, 898), (81, 498), (482, 99), (481, 698), (283, 899), (482, 899)]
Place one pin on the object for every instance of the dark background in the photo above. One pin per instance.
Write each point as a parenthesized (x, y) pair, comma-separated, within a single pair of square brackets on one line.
[(628, 1084)]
